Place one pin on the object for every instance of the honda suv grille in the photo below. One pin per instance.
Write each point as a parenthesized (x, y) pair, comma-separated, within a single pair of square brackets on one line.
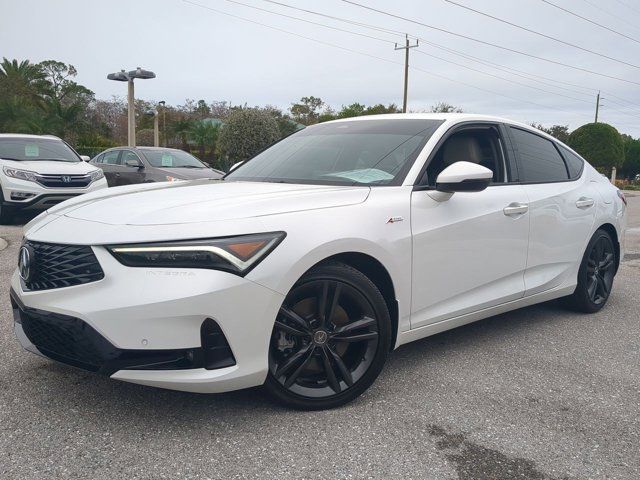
[(71, 181), (56, 266)]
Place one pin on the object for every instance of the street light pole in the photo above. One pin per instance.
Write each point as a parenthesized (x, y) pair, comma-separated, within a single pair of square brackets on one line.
[(128, 77), (164, 122), (131, 114), (156, 129)]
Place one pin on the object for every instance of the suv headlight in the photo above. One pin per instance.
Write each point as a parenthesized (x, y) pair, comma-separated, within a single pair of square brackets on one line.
[(97, 175), (20, 174), (232, 254)]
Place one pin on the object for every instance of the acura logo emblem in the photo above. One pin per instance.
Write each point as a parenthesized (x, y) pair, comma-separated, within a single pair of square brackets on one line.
[(25, 263), (66, 178)]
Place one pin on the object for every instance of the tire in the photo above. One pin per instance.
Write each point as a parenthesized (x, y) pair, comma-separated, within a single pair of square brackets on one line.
[(316, 364), (6, 215), (595, 276)]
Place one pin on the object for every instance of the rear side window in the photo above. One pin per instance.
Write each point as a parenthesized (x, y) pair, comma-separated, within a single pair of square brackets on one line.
[(575, 164), (111, 157), (538, 158)]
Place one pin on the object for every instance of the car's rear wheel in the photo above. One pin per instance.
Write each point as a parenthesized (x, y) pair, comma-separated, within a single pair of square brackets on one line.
[(595, 276), (330, 339)]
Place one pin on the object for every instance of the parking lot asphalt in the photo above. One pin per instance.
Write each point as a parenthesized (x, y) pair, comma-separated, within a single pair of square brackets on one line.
[(539, 393)]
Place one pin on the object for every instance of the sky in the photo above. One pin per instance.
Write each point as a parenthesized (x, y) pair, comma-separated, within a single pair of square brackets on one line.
[(200, 49)]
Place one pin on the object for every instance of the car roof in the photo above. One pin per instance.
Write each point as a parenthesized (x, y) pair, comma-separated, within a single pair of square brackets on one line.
[(449, 120), (26, 136)]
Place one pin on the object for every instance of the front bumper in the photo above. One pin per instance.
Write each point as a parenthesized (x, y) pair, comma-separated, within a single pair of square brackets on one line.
[(149, 312), (41, 198)]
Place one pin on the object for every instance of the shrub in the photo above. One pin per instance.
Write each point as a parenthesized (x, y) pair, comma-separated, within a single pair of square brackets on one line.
[(600, 144)]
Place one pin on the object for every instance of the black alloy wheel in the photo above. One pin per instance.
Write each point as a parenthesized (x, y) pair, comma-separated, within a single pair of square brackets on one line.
[(330, 339), (595, 277)]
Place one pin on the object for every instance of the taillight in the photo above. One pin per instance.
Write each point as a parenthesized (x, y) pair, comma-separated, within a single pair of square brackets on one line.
[(622, 197)]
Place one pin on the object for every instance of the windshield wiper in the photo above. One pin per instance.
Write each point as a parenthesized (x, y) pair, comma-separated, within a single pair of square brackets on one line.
[(10, 158), (188, 166)]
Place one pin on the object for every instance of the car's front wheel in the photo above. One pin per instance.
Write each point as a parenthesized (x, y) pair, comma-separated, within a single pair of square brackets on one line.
[(330, 339), (6, 215)]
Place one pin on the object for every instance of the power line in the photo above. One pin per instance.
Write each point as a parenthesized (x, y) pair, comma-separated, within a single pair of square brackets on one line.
[(502, 78), (512, 71), (617, 17), (405, 47), (352, 22), (375, 57), (590, 21), (519, 52), (628, 6), (311, 22), (540, 34)]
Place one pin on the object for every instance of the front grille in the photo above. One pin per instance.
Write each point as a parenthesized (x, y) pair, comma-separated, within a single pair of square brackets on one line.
[(57, 266), (71, 181), (72, 341)]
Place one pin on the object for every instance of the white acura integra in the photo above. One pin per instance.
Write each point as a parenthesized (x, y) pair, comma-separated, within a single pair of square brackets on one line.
[(308, 264)]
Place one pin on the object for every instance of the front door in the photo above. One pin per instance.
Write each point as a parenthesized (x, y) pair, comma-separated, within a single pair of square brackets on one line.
[(469, 252)]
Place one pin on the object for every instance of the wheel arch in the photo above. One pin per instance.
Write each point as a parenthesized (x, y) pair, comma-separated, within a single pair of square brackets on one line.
[(611, 230), (379, 275)]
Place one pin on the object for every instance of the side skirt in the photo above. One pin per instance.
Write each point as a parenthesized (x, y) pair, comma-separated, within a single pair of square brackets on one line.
[(434, 328)]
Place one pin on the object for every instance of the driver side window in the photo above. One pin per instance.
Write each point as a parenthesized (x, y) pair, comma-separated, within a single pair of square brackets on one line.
[(481, 146)]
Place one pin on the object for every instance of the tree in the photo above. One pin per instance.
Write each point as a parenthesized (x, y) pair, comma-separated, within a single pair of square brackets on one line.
[(181, 128), (631, 165), (600, 144), (205, 135), (444, 107), (307, 110), (246, 132)]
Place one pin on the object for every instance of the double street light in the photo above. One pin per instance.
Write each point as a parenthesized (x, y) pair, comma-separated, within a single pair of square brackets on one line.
[(128, 77)]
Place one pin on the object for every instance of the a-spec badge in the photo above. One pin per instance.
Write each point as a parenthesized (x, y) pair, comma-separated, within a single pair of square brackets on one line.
[(395, 219)]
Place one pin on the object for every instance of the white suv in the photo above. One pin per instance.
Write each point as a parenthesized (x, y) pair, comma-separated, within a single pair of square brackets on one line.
[(37, 172)]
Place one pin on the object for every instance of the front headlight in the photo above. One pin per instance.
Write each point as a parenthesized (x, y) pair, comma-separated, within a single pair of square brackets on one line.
[(97, 175), (232, 254), (20, 174)]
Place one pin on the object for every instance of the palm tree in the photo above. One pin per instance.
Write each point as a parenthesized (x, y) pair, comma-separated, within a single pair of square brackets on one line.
[(181, 129), (23, 79), (205, 135)]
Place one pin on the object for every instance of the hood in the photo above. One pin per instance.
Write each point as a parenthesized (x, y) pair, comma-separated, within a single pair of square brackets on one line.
[(203, 201), (190, 173), (51, 168)]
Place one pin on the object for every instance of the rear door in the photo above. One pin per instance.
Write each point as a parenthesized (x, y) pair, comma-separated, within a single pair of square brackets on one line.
[(562, 206), (130, 173), (108, 164)]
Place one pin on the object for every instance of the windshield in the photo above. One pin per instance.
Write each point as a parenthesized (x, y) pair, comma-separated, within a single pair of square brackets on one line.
[(362, 152), (22, 149), (172, 159)]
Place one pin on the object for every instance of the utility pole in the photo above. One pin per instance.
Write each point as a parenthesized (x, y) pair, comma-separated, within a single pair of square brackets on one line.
[(406, 48), (597, 105)]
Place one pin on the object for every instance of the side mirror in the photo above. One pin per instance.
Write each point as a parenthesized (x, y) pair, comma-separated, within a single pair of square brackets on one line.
[(461, 177), (85, 158), (131, 162), (234, 166)]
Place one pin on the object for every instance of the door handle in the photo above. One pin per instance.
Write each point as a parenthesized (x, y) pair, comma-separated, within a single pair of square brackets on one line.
[(584, 202), (514, 209), (117, 174)]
